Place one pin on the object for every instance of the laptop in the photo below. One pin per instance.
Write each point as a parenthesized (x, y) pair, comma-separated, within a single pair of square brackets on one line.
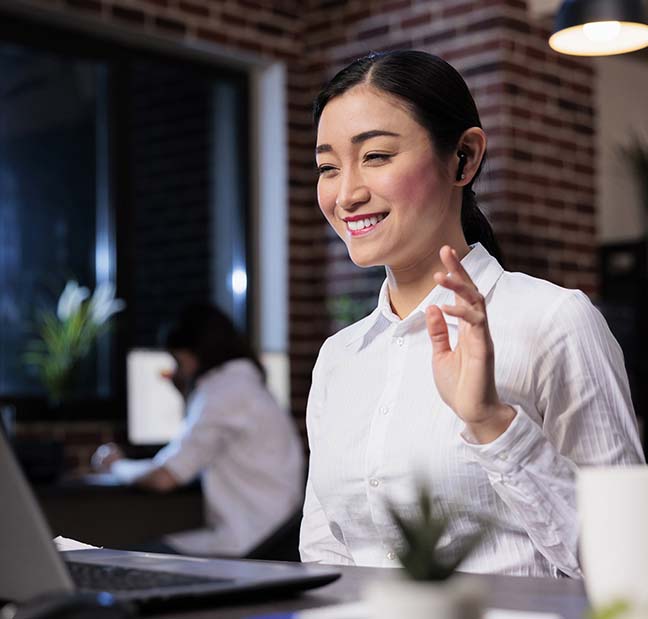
[(31, 566)]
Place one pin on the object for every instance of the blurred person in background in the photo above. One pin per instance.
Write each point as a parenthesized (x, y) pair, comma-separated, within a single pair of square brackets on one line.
[(235, 437)]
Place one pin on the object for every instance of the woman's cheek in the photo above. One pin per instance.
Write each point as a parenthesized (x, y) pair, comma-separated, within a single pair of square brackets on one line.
[(325, 201), (411, 188)]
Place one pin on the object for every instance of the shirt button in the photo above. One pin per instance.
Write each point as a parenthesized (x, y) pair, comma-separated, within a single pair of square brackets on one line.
[(384, 410), (391, 555), (504, 455), (374, 483), (400, 341)]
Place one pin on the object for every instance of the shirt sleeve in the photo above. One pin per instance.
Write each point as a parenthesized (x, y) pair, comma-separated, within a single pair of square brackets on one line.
[(317, 543), (582, 395), (205, 434), (127, 471)]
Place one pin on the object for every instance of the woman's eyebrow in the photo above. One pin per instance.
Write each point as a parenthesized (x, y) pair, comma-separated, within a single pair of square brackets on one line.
[(358, 139), (367, 135)]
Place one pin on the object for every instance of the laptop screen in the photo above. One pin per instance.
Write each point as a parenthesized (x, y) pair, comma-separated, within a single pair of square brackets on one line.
[(155, 407)]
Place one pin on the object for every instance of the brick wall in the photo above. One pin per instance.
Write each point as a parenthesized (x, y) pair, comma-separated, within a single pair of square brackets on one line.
[(536, 107)]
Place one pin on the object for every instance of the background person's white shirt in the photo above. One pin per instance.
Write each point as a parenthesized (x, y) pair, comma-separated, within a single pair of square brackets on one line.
[(375, 420), (249, 456)]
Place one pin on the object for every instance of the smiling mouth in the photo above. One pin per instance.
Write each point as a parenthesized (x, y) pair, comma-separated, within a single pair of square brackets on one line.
[(364, 225)]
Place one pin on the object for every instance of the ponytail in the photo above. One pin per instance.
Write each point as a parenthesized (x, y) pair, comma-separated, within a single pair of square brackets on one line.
[(476, 227)]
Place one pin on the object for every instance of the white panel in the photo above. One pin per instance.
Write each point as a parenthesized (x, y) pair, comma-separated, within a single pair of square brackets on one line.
[(278, 376), (155, 407)]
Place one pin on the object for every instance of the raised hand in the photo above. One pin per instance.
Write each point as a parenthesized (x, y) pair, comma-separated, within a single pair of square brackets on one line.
[(465, 376)]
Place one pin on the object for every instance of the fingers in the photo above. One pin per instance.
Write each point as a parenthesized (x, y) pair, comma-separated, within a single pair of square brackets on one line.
[(437, 330), (457, 279), (469, 314), (467, 291), (453, 264)]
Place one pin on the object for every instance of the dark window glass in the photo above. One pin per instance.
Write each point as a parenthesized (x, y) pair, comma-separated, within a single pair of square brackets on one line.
[(48, 195), (116, 165)]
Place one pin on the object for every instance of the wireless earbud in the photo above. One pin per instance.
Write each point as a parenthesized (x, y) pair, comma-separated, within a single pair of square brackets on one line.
[(462, 162)]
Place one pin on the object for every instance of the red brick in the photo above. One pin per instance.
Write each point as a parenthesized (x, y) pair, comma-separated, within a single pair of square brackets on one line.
[(130, 15), (215, 36), (193, 8), (235, 20), (85, 5), (170, 25), (458, 9), (372, 33), (395, 5), (417, 20)]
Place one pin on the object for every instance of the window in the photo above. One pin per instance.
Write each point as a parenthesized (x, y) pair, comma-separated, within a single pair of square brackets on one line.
[(115, 165)]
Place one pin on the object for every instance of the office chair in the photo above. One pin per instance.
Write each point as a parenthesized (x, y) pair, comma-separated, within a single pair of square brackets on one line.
[(282, 544)]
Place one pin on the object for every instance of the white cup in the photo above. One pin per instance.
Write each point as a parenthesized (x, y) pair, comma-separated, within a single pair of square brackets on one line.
[(613, 515)]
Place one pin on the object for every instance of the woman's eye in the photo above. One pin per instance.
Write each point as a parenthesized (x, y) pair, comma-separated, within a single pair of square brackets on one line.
[(377, 157), (324, 169)]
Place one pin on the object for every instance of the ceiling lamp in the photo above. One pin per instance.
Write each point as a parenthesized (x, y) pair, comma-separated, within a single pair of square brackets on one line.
[(599, 27)]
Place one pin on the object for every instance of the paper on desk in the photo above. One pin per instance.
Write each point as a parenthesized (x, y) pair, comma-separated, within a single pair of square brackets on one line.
[(65, 543), (359, 610)]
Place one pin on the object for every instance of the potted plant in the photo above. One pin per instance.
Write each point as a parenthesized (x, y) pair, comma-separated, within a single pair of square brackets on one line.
[(67, 336), (427, 587)]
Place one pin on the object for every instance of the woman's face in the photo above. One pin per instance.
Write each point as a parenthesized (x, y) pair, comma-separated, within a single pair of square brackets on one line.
[(187, 365), (381, 185)]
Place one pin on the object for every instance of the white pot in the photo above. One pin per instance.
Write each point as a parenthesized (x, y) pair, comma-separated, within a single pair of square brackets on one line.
[(397, 597)]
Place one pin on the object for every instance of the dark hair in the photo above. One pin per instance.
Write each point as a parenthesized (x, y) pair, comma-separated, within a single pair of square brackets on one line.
[(438, 99), (208, 333)]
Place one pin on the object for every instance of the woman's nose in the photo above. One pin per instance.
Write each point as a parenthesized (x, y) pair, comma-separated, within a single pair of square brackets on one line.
[(352, 192)]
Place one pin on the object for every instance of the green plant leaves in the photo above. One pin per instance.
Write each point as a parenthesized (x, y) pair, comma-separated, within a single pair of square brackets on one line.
[(421, 534), (67, 337)]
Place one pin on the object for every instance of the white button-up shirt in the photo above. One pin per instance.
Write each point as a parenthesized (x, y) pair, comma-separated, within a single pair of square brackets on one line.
[(248, 454), (377, 425)]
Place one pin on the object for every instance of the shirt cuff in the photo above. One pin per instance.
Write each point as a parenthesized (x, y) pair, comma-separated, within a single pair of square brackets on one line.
[(509, 451), (182, 468), (127, 471)]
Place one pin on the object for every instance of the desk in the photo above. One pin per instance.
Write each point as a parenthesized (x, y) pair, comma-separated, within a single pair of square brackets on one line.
[(563, 596), (96, 510)]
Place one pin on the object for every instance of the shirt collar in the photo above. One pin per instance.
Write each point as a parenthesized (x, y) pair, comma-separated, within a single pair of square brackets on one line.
[(483, 269)]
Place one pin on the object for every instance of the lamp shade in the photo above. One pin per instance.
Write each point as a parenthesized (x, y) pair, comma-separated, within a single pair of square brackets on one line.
[(600, 27)]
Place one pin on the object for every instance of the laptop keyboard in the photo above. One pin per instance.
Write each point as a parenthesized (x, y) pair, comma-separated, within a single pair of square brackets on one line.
[(92, 577)]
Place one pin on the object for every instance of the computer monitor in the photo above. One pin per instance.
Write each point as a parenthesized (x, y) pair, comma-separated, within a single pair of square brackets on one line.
[(155, 407)]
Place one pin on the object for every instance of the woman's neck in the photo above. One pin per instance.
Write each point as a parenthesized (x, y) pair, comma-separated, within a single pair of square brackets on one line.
[(409, 286)]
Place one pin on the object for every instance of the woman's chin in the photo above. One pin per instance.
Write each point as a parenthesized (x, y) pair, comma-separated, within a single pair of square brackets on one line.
[(365, 260)]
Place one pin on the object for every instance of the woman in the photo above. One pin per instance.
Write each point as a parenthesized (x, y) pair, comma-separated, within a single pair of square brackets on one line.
[(495, 412), (235, 437)]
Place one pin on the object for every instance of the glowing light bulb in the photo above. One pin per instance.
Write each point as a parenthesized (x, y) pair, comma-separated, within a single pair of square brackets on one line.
[(239, 281), (602, 31)]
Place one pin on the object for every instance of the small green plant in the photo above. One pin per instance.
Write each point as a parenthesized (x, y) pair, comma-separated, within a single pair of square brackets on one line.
[(66, 336), (615, 610), (346, 310), (421, 533)]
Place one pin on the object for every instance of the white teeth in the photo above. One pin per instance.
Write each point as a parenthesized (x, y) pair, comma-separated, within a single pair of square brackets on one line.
[(360, 224)]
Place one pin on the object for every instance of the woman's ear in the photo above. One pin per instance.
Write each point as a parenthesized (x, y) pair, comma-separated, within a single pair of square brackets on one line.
[(470, 152)]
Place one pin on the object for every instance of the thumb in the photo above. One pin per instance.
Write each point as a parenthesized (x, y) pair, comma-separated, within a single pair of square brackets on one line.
[(437, 330)]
